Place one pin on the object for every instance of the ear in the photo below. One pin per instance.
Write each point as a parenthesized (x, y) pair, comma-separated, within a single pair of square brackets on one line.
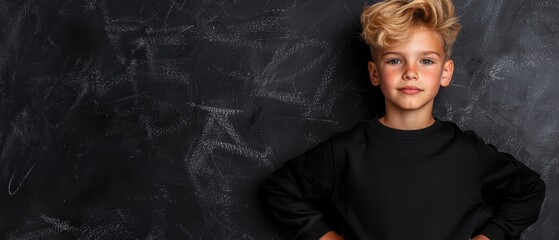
[(373, 73), (448, 70)]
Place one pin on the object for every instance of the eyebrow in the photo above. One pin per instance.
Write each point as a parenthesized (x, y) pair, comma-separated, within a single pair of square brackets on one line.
[(421, 53)]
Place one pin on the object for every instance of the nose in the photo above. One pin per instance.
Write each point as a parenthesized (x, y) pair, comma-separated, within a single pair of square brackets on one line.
[(410, 73)]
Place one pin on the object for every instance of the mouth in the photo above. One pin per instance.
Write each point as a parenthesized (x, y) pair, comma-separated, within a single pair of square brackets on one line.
[(410, 90)]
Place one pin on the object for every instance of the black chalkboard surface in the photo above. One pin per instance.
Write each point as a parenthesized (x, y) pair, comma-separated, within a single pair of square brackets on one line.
[(161, 119)]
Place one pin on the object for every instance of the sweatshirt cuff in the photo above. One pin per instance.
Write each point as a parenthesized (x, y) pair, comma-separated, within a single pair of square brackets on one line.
[(315, 232), (494, 232)]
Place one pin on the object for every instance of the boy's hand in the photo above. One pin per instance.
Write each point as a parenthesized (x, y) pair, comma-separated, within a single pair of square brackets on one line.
[(332, 236), (480, 237)]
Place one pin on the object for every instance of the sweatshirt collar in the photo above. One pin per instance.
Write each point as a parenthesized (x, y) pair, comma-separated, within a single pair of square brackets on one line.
[(398, 135)]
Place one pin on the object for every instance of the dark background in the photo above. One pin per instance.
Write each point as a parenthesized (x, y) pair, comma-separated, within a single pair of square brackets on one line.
[(161, 119)]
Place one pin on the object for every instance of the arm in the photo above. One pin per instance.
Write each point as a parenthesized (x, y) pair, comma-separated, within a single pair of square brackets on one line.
[(290, 190), (519, 190)]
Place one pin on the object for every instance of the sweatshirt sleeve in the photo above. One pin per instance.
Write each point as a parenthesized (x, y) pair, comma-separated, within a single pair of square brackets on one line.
[(517, 191), (292, 188)]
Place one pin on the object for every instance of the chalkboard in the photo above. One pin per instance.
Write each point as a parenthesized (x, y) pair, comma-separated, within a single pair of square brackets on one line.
[(161, 119)]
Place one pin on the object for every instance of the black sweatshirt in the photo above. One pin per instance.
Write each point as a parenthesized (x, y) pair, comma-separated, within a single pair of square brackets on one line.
[(390, 184)]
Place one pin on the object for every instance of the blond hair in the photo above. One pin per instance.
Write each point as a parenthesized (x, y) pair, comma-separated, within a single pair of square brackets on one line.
[(390, 22)]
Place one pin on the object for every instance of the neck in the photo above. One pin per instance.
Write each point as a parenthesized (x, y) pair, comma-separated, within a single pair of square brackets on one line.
[(407, 120)]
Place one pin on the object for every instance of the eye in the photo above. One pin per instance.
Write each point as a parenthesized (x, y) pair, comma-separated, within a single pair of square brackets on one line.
[(427, 61), (394, 61)]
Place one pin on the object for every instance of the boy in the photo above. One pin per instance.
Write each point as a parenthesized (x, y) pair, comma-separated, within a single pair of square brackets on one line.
[(407, 175)]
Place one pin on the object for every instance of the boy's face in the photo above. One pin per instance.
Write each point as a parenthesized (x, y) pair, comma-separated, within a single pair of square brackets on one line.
[(411, 73)]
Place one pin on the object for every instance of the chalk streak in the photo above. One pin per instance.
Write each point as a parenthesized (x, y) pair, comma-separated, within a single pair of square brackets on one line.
[(169, 12), (311, 119), (317, 102), (267, 81), (20, 183), (215, 110), (213, 189)]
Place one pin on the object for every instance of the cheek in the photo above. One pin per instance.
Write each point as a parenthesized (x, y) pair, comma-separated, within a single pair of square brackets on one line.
[(389, 76), (433, 74), (437, 72)]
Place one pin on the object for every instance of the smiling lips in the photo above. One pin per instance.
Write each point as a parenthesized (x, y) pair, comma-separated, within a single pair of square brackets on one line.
[(409, 90)]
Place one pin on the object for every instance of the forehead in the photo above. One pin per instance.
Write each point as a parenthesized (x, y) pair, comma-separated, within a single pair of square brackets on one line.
[(420, 40)]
